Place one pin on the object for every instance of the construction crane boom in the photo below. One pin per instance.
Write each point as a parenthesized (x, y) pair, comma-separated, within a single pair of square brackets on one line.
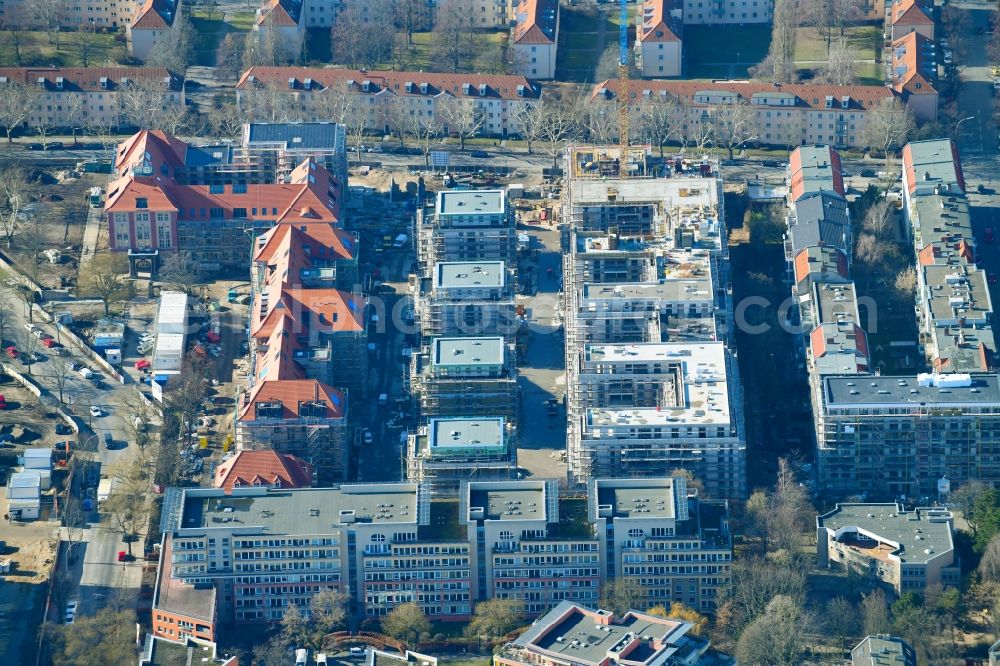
[(623, 76)]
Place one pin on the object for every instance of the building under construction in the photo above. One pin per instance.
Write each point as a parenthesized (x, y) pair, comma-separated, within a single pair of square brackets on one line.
[(652, 383), (466, 225), (466, 298), (447, 451), (466, 377)]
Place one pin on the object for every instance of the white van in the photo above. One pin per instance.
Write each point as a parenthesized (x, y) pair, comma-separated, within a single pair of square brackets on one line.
[(86, 373)]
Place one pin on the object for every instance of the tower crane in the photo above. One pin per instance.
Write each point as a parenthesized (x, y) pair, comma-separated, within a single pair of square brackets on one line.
[(623, 76)]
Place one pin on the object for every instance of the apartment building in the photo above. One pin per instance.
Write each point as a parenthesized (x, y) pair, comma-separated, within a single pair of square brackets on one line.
[(674, 546), (247, 553), (447, 451), (577, 634), (150, 22), (652, 385), (467, 225), (722, 12), (466, 298), (497, 99), (535, 38), (658, 38), (94, 14), (285, 22), (150, 214), (264, 467), (912, 74), (910, 16), (87, 96), (883, 650), (954, 307), (466, 376), (785, 114), (905, 551)]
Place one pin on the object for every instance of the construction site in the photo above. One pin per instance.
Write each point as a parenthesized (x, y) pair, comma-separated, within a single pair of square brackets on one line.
[(652, 384)]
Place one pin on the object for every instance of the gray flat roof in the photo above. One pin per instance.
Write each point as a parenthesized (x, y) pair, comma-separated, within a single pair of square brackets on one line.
[(934, 160), (688, 289), (509, 504), (919, 535), (883, 651), (465, 433), (467, 351), (469, 274), (941, 217), (652, 501), (984, 391), (300, 511), (471, 202)]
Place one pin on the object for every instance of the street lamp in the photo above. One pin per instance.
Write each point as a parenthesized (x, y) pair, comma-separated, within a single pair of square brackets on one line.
[(955, 129)]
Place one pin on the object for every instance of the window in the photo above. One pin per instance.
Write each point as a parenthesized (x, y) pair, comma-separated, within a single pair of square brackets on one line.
[(378, 538), (216, 189), (635, 533), (239, 188), (141, 202)]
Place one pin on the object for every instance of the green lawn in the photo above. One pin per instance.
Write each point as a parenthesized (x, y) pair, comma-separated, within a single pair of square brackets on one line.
[(862, 40), (210, 35), (741, 46), (579, 42), (76, 49)]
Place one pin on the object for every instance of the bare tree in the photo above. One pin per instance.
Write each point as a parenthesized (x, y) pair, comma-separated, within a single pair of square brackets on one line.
[(128, 503), (359, 38), (136, 414), (265, 46), (103, 130), (143, 104), (779, 65), (879, 219), (774, 638), (336, 103), (48, 15), (411, 16), (734, 125), (396, 117), (27, 346), (495, 618), (227, 119), (905, 283), (175, 48), (7, 318), (887, 127), (423, 130), (460, 116), (600, 121), (406, 622), (44, 125), (106, 279), (870, 249), (660, 119), (17, 103), (231, 55), (271, 103), (755, 582), (60, 376), (181, 271), (454, 40), (622, 595), (15, 194), (559, 122), (530, 117), (790, 511), (13, 23), (85, 46), (75, 108), (875, 613), (840, 68)]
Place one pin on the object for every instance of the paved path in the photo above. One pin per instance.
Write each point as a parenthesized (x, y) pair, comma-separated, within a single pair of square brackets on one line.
[(91, 234)]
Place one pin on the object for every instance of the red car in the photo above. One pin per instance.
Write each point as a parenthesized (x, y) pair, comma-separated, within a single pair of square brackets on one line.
[(49, 342), (123, 556), (11, 351), (142, 364), (212, 337), (3, 402)]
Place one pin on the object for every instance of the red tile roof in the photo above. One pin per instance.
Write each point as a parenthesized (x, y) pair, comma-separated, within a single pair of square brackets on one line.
[(797, 182), (656, 24), (308, 199), (153, 146), (536, 21), (265, 467), (909, 66), (281, 13), (496, 86), (812, 95), (910, 12), (76, 79), (292, 394), (330, 310), (154, 15)]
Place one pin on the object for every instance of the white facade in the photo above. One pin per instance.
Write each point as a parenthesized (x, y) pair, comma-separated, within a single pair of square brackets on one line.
[(735, 12), (24, 495), (172, 315)]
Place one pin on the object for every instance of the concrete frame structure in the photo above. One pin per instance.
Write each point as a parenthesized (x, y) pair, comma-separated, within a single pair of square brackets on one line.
[(646, 291)]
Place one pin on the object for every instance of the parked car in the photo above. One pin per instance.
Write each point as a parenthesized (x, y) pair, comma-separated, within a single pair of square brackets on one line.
[(3, 402), (368, 436), (33, 146), (868, 173), (31, 328), (55, 145), (11, 352), (86, 373), (95, 411), (70, 615), (479, 153), (63, 429), (109, 440), (142, 364), (49, 342), (123, 556)]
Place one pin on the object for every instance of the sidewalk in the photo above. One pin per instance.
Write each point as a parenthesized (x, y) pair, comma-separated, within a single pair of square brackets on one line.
[(91, 234)]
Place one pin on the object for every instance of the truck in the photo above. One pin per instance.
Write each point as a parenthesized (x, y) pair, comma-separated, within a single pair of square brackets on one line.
[(103, 491)]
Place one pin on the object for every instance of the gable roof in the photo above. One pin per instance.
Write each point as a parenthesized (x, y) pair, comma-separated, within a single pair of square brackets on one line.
[(154, 15), (330, 310), (279, 13), (807, 95), (910, 12), (319, 78), (155, 147), (88, 79), (913, 71), (263, 467), (657, 24), (537, 21), (292, 394)]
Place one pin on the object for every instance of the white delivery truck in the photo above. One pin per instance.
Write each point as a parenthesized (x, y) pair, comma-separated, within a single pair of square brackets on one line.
[(103, 492)]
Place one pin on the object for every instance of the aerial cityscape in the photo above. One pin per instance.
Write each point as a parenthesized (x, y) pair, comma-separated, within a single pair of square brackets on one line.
[(499, 332)]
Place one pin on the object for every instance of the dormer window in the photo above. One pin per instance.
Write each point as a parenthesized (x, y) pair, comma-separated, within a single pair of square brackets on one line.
[(124, 81), (845, 102), (141, 203), (467, 88), (41, 81), (307, 84), (829, 102), (423, 88), (59, 83), (482, 90), (291, 83), (366, 85), (520, 91), (408, 86)]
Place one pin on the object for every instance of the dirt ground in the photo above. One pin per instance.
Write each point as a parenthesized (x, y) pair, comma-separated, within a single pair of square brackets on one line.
[(23, 409), (56, 221), (31, 549)]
